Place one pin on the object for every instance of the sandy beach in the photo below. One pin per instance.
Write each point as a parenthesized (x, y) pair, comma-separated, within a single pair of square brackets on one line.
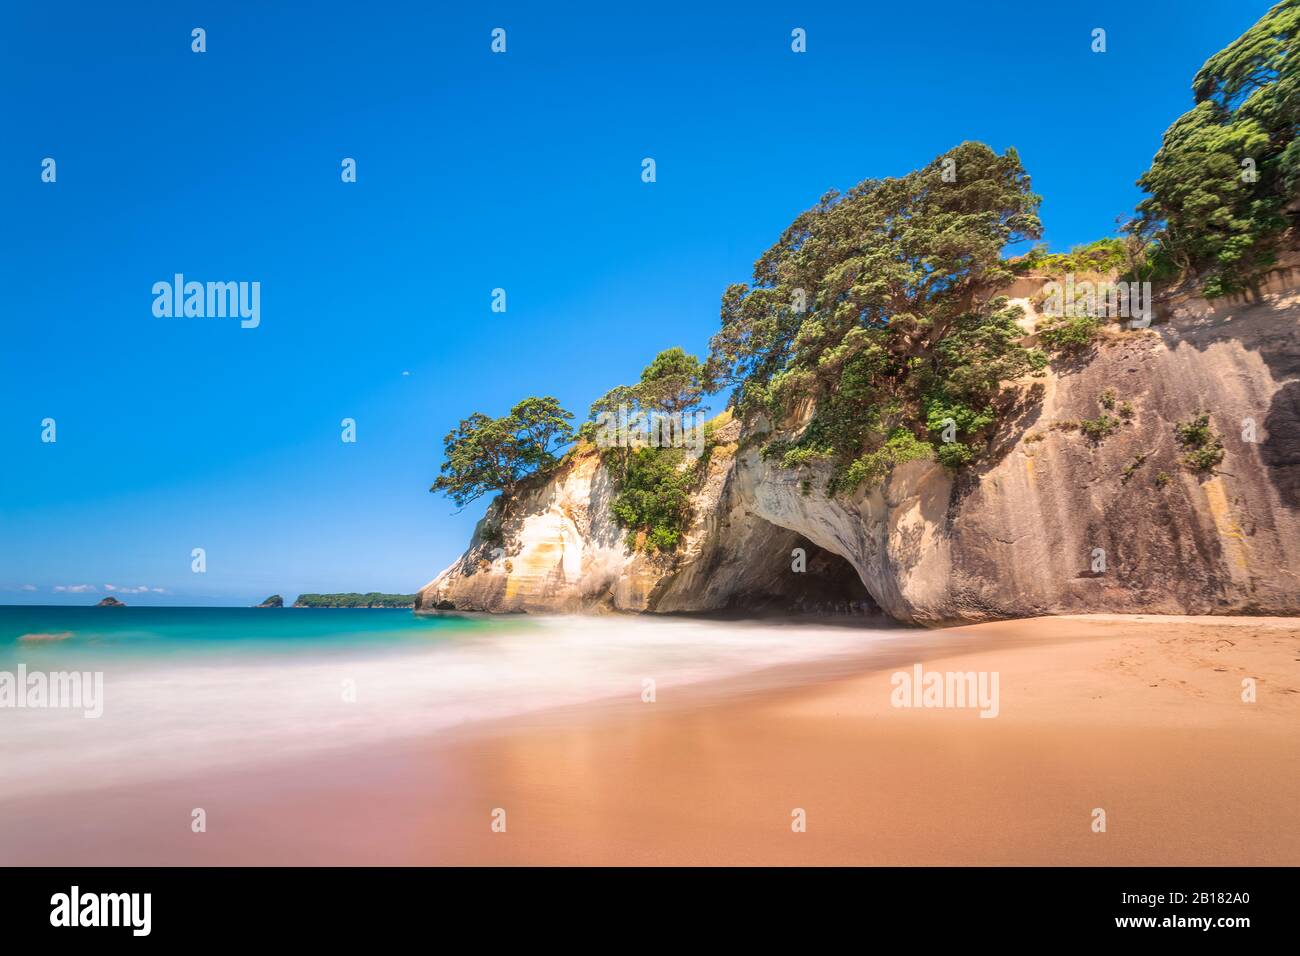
[(1142, 717)]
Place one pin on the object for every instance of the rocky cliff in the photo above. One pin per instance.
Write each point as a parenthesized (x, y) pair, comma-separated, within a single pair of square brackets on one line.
[(1054, 522)]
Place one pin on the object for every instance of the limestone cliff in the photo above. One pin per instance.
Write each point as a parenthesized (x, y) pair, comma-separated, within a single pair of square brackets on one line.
[(1021, 535)]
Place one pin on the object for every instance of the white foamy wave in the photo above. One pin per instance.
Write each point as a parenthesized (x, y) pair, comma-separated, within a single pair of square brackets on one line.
[(188, 716)]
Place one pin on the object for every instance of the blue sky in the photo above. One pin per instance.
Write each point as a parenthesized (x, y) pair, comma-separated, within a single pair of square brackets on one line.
[(475, 171)]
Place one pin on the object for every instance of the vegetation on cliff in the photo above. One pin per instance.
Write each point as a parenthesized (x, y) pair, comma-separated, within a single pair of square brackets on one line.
[(1101, 255), (873, 307), (869, 335), (1227, 169), (1222, 189), (653, 482), (671, 384), (1202, 446), (484, 454), (654, 497)]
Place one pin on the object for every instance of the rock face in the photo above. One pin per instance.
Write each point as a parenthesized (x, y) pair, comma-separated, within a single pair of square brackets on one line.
[(111, 602), (1053, 522), (273, 601)]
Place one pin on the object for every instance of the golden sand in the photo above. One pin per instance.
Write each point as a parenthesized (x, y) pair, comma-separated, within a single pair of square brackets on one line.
[(1142, 718)]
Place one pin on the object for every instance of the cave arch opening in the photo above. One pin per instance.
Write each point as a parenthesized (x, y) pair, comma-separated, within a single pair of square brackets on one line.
[(793, 576)]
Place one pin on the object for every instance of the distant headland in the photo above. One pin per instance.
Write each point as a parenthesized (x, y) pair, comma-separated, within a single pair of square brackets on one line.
[(349, 599)]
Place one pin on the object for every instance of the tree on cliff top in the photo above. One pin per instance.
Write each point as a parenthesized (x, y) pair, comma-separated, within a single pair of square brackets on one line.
[(673, 382), (1228, 167), (873, 305), (485, 454)]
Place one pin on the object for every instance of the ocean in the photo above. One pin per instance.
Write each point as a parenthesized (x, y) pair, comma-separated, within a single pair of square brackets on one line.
[(188, 690)]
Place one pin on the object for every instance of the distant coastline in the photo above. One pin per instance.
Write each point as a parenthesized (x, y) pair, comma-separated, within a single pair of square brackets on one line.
[(373, 599)]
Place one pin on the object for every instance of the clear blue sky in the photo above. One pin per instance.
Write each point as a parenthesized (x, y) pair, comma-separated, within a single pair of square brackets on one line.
[(475, 171)]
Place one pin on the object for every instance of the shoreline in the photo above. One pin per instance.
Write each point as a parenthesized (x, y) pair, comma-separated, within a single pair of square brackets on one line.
[(1139, 715)]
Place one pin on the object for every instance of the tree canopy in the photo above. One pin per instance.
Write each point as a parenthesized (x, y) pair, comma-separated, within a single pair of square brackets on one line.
[(654, 497), (654, 483), (1219, 186), (869, 333), (484, 454), (673, 382), (873, 305)]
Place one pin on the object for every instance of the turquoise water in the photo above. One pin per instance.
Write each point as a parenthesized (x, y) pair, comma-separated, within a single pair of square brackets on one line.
[(186, 691), (104, 634)]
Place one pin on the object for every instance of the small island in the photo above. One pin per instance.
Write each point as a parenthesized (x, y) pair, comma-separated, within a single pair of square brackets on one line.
[(351, 599), (273, 601), (110, 602)]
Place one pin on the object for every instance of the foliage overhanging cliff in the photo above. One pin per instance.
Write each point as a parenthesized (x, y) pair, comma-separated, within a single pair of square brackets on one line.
[(894, 378)]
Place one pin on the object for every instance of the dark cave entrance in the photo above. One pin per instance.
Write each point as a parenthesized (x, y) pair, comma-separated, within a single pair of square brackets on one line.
[(827, 585)]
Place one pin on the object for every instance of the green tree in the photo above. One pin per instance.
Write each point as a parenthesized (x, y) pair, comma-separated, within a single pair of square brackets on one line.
[(620, 396), (1219, 186), (540, 425), (653, 483), (654, 497), (875, 305), (484, 454), (1100, 255), (673, 382)]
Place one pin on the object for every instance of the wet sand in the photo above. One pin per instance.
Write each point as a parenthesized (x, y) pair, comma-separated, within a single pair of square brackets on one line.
[(1141, 717)]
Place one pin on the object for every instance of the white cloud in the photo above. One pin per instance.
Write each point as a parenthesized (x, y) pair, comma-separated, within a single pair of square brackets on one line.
[(29, 587), (142, 589), (75, 588)]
